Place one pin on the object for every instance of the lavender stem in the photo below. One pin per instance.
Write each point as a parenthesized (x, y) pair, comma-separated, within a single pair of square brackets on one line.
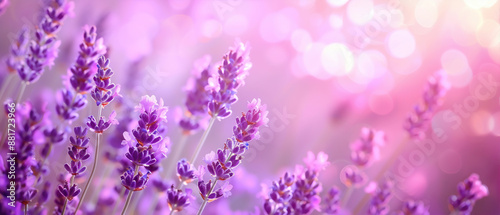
[(202, 207), (96, 157), (129, 196), (202, 140), (347, 196), (66, 201), (177, 152)]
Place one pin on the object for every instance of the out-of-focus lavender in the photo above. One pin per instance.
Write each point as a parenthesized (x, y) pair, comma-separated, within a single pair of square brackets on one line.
[(469, 191)]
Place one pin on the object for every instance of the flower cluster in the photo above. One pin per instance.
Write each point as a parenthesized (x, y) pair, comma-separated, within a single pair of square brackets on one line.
[(147, 147), (300, 194), (332, 201), (77, 151), (198, 97), (414, 208), (469, 191), (220, 165), (103, 92), (44, 48), (380, 199), (231, 73), (435, 90), (81, 72), (30, 123), (177, 199), (18, 50)]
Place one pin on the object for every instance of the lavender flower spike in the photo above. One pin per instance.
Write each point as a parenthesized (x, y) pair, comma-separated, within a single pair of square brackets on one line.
[(44, 48), (197, 97), (469, 191), (414, 208), (332, 201), (177, 199), (18, 50), (231, 74), (435, 90), (367, 148), (103, 92), (380, 199)]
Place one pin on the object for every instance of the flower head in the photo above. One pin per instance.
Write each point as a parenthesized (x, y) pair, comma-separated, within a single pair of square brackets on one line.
[(469, 191), (134, 182), (231, 74), (177, 199), (367, 148), (247, 126), (414, 208), (105, 91), (380, 199)]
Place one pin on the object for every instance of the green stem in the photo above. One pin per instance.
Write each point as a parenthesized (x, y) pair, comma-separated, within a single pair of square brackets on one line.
[(129, 196), (202, 140), (96, 158), (202, 207)]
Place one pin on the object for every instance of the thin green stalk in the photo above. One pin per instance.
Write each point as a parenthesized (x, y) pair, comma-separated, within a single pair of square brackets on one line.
[(21, 92), (5, 84), (346, 196), (202, 207), (177, 151), (26, 209), (96, 158), (129, 196), (202, 140)]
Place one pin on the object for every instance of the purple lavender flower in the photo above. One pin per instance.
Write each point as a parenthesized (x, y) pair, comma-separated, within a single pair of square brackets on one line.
[(102, 125), (435, 90), (78, 152), (231, 74), (352, 176), (177, 199), (332, 201), (69, 192), (90, 50), (103, 92), (229, 157), (469, 191), (18, 48), (296, 195), (380, 199), (185, 171), (44, 48), (135, 182), (367, 148), (198, 96), (80, 76), (414, 208)]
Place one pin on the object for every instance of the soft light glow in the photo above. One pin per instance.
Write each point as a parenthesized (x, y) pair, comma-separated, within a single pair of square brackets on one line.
[(211, 28), (337, 3), (337, 59), (478, 4), (480, 122), (456, 66), (401, 43), (311, 56), (360, 11), (300, 39), (488, 33), (426, 13), (450, 161), (236, 25), (278, 26), (381, 103), (370, 64)]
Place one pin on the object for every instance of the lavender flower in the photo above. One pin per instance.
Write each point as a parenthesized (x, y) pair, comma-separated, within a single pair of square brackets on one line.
[(185, 171), (134, 182), (367, 148), (198, 96), (90, 50), (177, 199), (380, 199), (81, 72), (297, 195), (18, 48), (435, 90), (78, 154), (414, 208), (231, 74), (332, 201), (43, 49), (103, 91), (222, 165), (469, 191)]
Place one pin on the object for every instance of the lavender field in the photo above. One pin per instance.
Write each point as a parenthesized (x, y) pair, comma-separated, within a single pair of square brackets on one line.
[(250, 107)]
